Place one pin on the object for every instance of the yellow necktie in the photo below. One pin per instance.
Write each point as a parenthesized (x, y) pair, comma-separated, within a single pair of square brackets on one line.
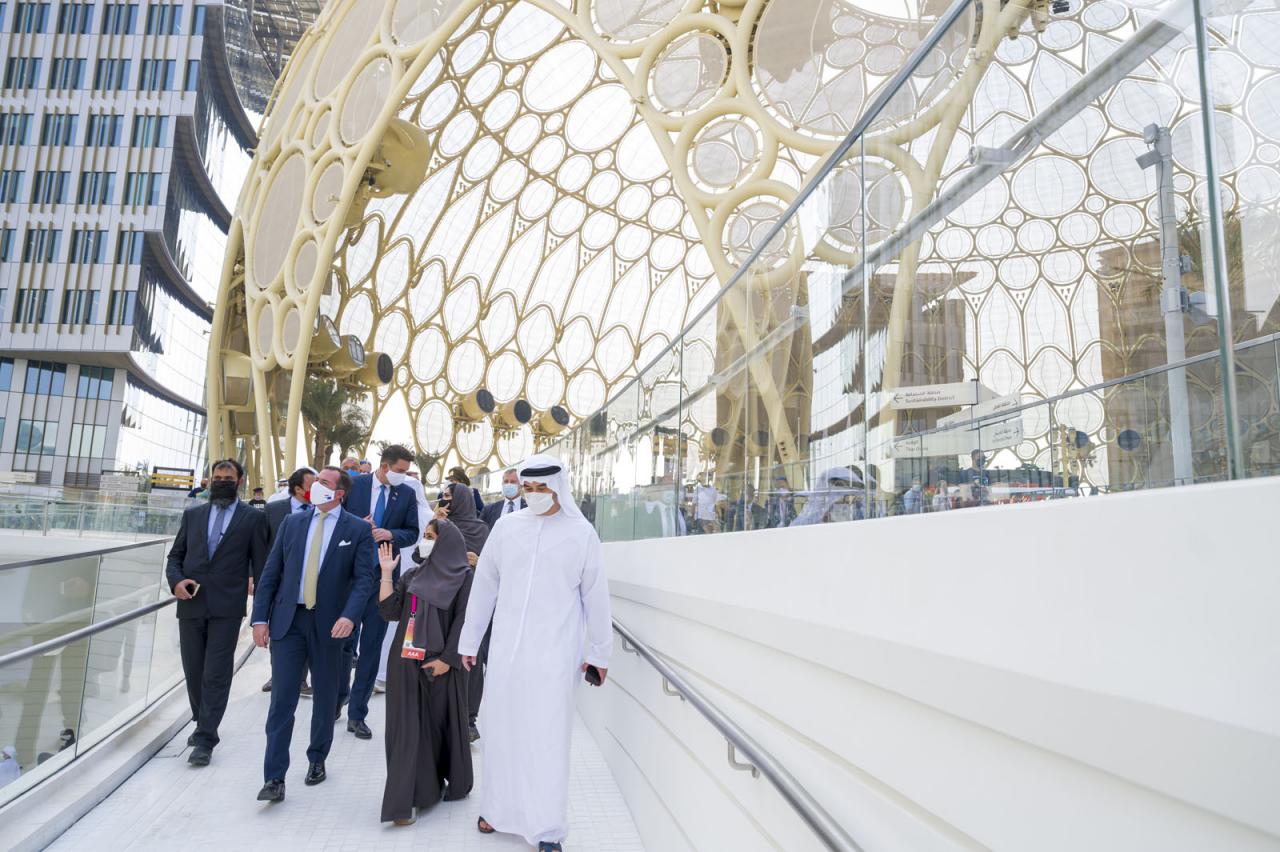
[(311, 574)]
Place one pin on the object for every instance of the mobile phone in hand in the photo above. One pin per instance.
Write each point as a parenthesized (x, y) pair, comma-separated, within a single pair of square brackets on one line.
[(195, 590), (593, 675)]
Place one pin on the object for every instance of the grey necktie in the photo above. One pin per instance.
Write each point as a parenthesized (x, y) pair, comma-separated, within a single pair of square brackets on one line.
[(216, 535)]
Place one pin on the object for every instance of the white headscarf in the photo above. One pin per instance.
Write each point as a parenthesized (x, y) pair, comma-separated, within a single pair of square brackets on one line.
[(826, 495), (548, 469)]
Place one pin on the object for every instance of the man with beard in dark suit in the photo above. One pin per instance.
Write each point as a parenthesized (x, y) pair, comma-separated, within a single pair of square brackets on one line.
[(220, 548)]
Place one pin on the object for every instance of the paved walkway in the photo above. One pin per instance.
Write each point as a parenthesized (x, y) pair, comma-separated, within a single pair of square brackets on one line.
[(169, 805)]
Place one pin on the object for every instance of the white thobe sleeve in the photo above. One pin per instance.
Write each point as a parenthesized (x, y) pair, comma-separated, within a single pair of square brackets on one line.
[(484, 597), (595, 604)]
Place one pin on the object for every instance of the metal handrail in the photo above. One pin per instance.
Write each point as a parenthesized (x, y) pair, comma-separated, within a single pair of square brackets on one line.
[(83, 633), (830, 832), (102, 551)]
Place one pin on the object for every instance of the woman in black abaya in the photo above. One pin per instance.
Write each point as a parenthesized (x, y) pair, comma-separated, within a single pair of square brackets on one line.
[(428, 754), (459, 508)]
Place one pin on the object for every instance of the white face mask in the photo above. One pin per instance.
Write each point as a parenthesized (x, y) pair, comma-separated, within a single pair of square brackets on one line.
[(395, 479), (425, 547), (540, 502), (320, 494)]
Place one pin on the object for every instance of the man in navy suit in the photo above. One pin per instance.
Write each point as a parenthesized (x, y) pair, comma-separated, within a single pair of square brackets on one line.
[(391, 509), (321, 570)]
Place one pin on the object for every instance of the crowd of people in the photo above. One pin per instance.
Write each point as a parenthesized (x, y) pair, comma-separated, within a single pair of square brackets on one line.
[(360, 585), (710, 504)]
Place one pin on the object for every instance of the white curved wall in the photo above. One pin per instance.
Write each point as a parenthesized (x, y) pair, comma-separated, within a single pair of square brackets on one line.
[(1086, 674)]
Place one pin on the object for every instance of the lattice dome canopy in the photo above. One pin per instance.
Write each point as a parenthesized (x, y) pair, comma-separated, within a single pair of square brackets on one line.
[(593, 176), (527, 201)]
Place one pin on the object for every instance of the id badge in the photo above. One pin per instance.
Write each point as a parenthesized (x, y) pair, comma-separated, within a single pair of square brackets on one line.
[(407, 650)]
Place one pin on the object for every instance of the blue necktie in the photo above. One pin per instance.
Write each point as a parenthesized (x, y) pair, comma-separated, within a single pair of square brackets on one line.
[(381, 506), (215, 535)]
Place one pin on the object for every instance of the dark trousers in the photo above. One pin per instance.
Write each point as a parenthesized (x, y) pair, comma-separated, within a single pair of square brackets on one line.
[(208, 661), (475, 677), (373, 628), (290, 655)]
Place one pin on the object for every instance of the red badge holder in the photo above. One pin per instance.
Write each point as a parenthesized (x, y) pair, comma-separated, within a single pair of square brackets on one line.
[(408, 651)]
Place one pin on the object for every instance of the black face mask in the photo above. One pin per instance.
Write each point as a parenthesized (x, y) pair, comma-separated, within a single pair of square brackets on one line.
[(222, 493)]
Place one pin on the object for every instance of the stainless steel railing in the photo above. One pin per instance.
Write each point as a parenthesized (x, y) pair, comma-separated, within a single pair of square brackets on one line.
[(758, 761)]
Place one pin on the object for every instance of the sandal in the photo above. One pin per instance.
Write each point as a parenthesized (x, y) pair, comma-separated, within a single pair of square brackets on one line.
[(482, 826)]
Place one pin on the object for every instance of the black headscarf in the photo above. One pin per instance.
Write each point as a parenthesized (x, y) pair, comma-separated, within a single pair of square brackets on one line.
[(462, 514), (437, 580)]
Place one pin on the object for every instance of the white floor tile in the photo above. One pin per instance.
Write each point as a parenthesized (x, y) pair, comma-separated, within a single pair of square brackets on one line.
[(170, 805)]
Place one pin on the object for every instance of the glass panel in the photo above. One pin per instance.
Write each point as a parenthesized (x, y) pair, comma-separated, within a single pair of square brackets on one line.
[(41, 698), (1002, 292), (119, 658)]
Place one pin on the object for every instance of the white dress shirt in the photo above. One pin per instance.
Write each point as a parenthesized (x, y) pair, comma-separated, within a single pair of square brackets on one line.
[(296, 505), (330, 524), (511, 506)]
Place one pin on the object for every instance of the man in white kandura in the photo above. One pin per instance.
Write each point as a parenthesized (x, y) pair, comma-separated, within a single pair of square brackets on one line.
[(540, 577)]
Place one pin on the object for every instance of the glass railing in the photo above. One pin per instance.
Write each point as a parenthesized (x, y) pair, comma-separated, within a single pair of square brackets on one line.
[(57, 704), (130, 520), (1039, 267)]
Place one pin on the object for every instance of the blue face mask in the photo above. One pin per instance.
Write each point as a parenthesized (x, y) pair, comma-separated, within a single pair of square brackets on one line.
[(510, 490)]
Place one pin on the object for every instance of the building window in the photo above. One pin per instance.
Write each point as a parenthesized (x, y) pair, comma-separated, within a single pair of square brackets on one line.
[(41, 245), (120, 307), (111, 75), (66, 73), (141, 188), (87, 439), (30, 17), (156, 75), (193, 74), (75, 18), (197, 21), (21, 72), (38, 437), (58, 128), (78, 307), (46, 377), (119, 18), (87, 246), (6, 373), (6, 251), (129, 247), (149, 131), (13, 127), (95, 383), (103, 129), (49, 187), (10, 182), (164, 19), (96, 188), (30, 305)]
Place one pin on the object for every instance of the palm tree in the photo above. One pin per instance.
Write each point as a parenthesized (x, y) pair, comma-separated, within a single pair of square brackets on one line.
[(337, 416)]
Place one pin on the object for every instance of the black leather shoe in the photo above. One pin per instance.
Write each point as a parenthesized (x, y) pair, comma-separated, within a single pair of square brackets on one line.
[(191, 740), (315, 774), (473, 733), (200, 756), (272, 791), (360, 729), (266, 687)]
